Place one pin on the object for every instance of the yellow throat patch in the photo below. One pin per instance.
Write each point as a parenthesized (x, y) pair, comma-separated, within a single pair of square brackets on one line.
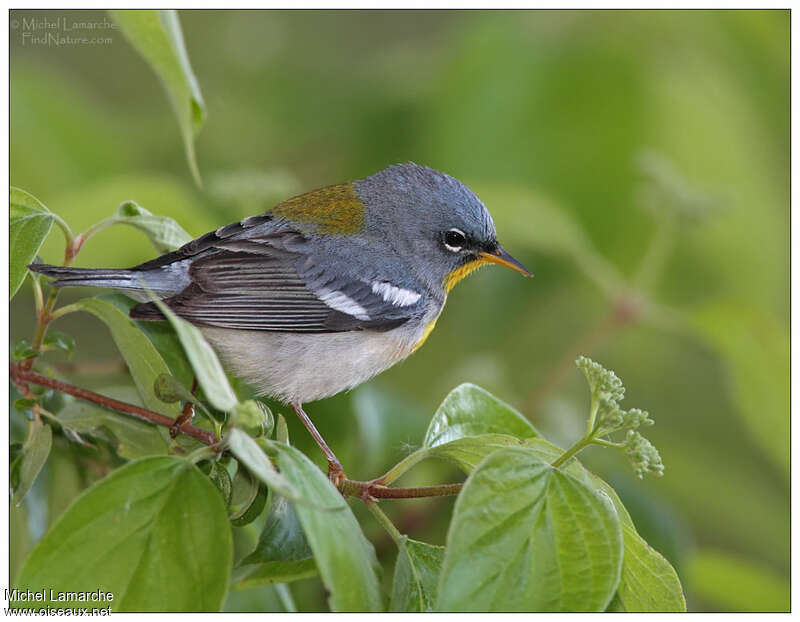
[(459, 273), (336, 210)]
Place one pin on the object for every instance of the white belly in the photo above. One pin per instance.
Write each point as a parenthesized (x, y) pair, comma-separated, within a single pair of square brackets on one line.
[(301, 367)]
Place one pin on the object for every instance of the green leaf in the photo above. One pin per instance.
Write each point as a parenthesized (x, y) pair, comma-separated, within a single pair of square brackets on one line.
[(210, 375), (254, 417), (164, 233), (168, 345), (132, 438), (416, 576), (29, 223), (282, 538), (251, 510), (282, 430), (649, 584), (23, 350), (169, 390), (65, 480), (34, 454), (282, 553), (345, 558), (271, 573), (162, 337), (24, 403), (528, 537), (57, 340), (154, 533), (157, 36), (755, 350), (142, 358), (248, 452), (469, 410), (244, 487), (222, 480), (548, 452), (469, 424), (466, 453), (733, 583)]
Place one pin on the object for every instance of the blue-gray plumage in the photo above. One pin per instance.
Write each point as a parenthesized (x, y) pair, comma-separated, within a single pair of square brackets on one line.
[(326, 290)]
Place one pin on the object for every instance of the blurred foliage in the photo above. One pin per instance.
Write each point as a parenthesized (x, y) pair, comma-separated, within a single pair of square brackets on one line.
[(566, 123)]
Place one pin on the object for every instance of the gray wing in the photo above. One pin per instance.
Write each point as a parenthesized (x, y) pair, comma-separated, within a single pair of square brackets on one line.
[(261, 274)]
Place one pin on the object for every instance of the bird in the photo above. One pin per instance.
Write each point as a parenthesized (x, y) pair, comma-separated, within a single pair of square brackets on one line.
[(325, 290)]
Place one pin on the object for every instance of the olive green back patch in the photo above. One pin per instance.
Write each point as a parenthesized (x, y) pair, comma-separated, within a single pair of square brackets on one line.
[(335, 210)]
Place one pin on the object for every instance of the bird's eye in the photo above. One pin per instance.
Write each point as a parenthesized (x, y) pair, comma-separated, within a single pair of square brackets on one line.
[(454, 240)]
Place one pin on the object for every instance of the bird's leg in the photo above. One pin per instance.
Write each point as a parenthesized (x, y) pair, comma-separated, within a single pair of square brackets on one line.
[(335, 471)]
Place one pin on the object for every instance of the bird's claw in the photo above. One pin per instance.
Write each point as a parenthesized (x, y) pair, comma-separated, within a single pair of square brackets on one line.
[(336, 474)]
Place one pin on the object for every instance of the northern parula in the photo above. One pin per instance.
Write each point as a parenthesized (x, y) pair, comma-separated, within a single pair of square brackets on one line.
[(327, 289)]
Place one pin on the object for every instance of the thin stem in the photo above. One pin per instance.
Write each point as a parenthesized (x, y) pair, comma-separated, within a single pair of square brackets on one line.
[(604, 443), (62, 311), (592, 414), (401, 467), (38, 296), (81, 238), (286, 597), (68, 235), (586, 440), (43, 320), (201, 453), (44, 313), (387, 524), (21, 376)]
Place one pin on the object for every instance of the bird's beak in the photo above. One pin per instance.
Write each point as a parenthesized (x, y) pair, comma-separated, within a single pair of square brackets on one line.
[(502, 258)]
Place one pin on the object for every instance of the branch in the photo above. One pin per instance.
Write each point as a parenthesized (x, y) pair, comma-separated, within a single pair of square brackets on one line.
[(349, 488), (367, 490), (20, 375)]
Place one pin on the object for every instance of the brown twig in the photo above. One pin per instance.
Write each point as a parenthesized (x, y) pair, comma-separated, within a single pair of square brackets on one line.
[(22, 376), (367, 490)]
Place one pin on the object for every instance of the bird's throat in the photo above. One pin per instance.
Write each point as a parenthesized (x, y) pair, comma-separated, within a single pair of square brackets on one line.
[(459, 273)]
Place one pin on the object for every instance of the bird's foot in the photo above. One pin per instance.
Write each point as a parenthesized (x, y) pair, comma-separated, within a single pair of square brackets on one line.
[(336, 474)]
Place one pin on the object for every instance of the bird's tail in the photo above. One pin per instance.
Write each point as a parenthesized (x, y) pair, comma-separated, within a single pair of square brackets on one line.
[(134, 283), (90, 277)]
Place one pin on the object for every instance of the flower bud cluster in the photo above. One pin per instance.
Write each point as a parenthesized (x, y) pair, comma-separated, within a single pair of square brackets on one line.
[(607, 392), (643, 455)]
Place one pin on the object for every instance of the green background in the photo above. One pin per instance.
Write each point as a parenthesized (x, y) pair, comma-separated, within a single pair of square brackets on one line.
[(541, 113)]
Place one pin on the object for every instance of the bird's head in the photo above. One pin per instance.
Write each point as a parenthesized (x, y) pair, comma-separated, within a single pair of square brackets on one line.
[(438, 225)]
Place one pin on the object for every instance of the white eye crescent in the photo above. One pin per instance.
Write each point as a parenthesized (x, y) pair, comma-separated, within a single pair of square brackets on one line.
[(454, 240)]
